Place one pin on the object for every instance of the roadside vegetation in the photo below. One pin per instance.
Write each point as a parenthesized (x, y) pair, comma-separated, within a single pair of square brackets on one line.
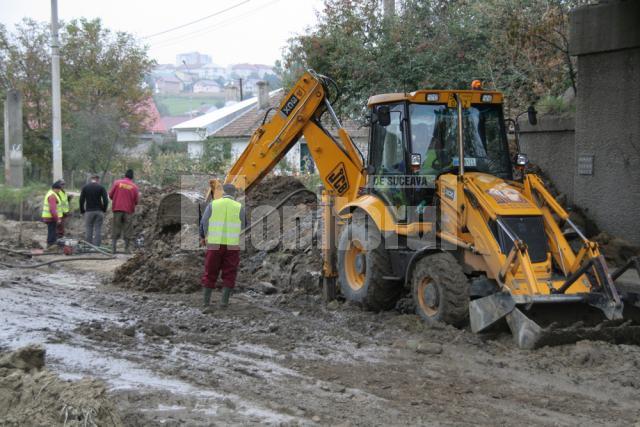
[(519, 47)]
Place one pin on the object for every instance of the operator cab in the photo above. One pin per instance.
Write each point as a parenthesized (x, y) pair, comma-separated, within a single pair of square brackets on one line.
[(413, 140)]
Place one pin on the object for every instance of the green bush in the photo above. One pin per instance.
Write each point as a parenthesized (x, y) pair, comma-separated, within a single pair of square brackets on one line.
[(555, 105)]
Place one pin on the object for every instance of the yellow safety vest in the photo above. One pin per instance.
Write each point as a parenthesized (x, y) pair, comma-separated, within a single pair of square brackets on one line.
[(64, 202), (46, 212), (224, 223)]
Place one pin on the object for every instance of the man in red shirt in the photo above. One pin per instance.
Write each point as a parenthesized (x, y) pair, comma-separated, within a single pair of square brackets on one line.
[(124, 195)]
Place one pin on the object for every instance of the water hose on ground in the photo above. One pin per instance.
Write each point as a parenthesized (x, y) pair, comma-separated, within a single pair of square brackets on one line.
[(54, 261), (14, 252)]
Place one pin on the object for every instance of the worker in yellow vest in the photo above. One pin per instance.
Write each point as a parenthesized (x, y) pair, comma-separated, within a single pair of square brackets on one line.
[(63, 209), (51, 212), (223, 220)]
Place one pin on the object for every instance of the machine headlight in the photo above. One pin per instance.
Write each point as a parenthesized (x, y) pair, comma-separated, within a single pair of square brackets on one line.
[(433, 97), (486, 98)]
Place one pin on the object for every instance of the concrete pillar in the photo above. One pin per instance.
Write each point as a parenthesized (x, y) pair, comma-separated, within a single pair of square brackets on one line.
[(263, 95), (13, 138), (231, 93)]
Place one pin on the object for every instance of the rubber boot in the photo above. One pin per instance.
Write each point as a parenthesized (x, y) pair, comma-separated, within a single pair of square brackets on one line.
[(224, 301), (114, 243), (207, 299)]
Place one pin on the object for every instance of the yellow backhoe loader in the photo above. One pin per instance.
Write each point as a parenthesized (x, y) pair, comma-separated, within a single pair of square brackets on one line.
[(434, 209)]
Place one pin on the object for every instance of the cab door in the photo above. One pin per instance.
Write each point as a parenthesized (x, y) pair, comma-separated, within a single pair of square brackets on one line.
[(388, 158)]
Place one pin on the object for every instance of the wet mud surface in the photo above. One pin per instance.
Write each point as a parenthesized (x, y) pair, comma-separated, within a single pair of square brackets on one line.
[(287, 358)]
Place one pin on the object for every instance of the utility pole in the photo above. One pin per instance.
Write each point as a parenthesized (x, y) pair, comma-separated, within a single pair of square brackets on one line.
[(389, 8), (191, 92), (240, 80), (55, 93)]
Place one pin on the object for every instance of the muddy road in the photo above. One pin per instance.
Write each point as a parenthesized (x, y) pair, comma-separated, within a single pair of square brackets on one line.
[(286, 359)]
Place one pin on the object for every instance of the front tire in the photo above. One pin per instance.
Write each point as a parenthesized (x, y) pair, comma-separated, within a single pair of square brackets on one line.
[(362, 263), (440, 290)]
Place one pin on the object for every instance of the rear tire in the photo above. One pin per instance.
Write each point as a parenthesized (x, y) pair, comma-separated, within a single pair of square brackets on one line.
[(362, 263), (440, 290)]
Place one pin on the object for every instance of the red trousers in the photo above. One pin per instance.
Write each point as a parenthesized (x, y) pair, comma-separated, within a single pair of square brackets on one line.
[(220, 260), (60, 227)]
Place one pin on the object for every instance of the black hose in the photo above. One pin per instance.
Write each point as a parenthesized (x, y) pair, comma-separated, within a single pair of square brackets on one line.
[(13, 251), (54, 261)]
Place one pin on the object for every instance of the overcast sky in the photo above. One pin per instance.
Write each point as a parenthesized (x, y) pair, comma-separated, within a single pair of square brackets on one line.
[(250, 31)]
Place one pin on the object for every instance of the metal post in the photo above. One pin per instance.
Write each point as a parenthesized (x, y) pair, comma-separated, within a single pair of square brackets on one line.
[(329, 248), (240, 80), (460, 137), (55, 93)]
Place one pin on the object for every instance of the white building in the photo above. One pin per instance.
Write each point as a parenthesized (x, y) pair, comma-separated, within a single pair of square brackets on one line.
[(193, 59), (206, 86), (233, 125)]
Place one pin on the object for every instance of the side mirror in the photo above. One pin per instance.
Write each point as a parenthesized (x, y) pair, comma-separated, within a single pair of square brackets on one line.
[(383, 115), (522, 160), (416, 162), (533, 115), (367, 120)]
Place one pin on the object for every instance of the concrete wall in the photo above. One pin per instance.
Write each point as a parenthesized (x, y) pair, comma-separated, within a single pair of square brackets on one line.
[(598, 165), (551, 146), (606, 39)]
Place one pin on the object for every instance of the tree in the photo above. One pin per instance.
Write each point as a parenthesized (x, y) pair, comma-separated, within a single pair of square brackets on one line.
[(517, 46), (102, 85)]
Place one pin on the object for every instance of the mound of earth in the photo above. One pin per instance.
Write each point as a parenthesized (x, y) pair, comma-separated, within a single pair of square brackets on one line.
[(161, 268), (32, 395), (284, 262)]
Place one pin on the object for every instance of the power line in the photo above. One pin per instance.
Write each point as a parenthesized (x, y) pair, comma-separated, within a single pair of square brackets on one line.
[(211, 28), (197, 20)]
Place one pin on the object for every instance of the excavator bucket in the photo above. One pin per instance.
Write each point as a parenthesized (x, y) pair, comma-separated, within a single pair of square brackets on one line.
[(538, 321)]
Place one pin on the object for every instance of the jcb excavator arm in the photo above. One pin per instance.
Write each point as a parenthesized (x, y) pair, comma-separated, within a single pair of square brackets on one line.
[(339, 162)]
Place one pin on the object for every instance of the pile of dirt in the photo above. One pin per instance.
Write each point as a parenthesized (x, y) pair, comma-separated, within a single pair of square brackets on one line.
[(616, 251), (31, 395), (271, 190), (161, 268), (144, 219), (285, 263)]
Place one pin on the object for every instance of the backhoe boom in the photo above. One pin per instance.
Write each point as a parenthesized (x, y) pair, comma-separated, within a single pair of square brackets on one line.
[(339, 163)]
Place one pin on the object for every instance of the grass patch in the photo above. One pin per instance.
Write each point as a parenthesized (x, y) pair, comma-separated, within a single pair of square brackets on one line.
[(180, 105)]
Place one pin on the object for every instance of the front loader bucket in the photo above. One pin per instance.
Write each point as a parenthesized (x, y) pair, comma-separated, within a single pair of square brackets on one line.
[(526, 333), (487, 311), (559, 319)]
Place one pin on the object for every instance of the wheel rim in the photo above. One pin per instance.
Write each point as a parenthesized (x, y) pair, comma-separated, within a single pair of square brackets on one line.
[(428, 297), (355, 265)]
